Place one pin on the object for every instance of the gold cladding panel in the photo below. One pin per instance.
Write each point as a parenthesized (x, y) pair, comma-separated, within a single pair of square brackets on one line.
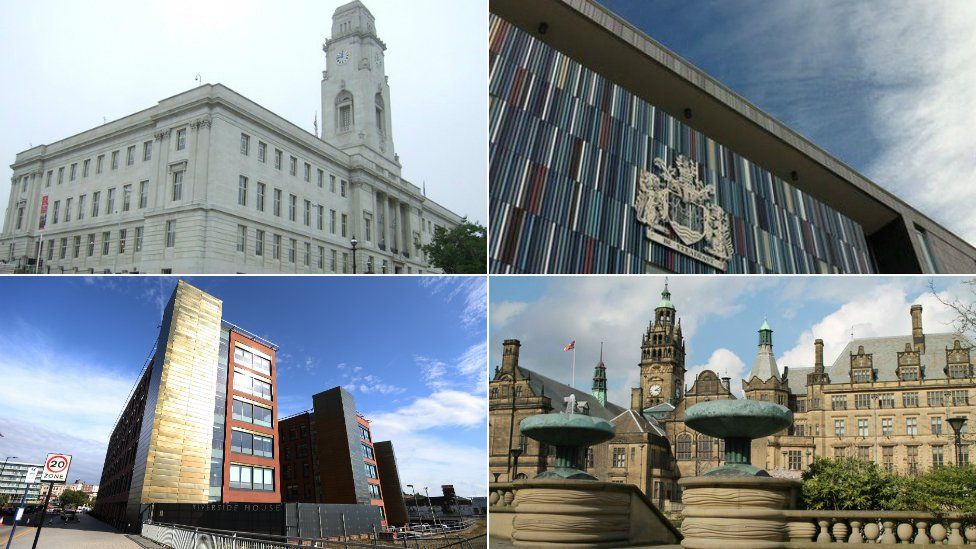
[(178, 463)]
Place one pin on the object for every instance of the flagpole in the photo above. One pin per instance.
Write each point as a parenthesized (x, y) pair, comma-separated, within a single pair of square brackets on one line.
[(573, 385)]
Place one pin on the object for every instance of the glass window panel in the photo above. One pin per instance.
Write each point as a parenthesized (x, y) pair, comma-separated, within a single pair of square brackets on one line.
[(246, 477), (262, 416)]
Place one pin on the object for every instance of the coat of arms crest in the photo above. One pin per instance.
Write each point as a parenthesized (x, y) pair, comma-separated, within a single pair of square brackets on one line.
[(679, 200)]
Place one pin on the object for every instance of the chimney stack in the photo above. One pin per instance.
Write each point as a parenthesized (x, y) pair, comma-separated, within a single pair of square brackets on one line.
[(510, 354), (637, 400), (727, 383), (918, 337), (818, 364)]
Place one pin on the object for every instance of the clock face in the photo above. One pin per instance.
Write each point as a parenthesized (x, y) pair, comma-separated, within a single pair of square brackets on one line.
[(655, 390), (342, 57), (377, 59)]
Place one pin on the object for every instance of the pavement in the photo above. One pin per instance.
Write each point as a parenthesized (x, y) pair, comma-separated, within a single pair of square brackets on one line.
[(88, 533)]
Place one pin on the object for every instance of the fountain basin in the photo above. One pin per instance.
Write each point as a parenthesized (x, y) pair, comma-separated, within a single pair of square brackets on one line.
[(737, 422), (567, 429), (570, 434), (738, 418)]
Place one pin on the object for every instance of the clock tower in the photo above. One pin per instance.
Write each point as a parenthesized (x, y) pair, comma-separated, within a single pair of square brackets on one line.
[(662, 365), (355, 92)]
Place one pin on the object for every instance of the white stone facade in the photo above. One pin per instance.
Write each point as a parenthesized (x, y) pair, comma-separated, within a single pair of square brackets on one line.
[(191, 184)]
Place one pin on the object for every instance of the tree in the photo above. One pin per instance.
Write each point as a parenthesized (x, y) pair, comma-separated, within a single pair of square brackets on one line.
[(848, 484), (74, 497), (965, 311), (461, 250)]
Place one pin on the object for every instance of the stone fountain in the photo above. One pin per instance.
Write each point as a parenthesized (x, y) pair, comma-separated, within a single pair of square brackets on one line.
[(571, 433), (566, 507), (737, 505)]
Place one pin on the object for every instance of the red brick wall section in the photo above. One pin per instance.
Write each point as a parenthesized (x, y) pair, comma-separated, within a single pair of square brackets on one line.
[(253, 496), (377, 502)]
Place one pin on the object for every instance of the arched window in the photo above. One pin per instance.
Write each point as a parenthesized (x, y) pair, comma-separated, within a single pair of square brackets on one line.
[(683, 446), (704, 447), (380, 115), (494, 392), (345, 117)]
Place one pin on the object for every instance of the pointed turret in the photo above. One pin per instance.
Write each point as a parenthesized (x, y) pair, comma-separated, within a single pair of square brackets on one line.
[(600, 380), (764, 366)]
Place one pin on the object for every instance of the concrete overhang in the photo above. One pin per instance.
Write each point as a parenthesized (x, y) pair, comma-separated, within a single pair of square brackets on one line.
[(602, 41)]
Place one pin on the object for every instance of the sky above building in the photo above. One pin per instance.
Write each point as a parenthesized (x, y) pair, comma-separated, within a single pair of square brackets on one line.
[(72, 65), (411, 350), (720, 318), (886, 87)]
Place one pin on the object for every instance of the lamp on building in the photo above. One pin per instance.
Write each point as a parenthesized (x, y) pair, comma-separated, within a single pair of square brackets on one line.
[(354, 243), (496, 476), (515, 452), (957, 423)]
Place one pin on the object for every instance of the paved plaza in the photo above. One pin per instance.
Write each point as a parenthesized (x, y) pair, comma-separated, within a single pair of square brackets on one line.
[(87, 533)]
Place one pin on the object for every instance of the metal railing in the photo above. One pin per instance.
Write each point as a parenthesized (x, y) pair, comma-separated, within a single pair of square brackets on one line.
[(178, 536)]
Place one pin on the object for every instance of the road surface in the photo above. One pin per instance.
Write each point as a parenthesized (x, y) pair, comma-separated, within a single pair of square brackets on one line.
[(88, 533)]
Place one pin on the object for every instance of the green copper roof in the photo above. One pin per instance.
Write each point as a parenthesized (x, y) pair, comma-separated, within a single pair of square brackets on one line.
[(765, 326), (665, 302)]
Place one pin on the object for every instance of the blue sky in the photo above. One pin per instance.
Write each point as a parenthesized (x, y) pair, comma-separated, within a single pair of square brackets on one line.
[(410, 349), (720, 316), (884, 86)]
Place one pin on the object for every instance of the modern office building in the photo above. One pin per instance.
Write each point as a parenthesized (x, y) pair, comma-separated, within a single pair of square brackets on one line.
[(883, 399), (199, 426), (390, 486), (611, 154), (13, 481), (208, 181), (328, 454)]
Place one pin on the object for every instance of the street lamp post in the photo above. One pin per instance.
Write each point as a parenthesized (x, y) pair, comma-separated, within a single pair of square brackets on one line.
[(515, 452), (957, 424), (354, 243), (431, 507), (415, 506)]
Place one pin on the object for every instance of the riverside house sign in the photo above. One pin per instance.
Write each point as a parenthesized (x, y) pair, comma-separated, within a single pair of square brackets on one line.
[(679, 210)]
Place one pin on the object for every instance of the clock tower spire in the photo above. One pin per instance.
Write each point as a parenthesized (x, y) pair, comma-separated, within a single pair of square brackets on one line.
[(662, 365), (355, 92)]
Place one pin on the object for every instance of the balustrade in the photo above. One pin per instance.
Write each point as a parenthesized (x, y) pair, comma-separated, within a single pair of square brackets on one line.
[(816, 528)]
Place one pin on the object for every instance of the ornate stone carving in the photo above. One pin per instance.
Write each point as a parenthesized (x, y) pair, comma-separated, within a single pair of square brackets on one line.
[(202, 122), (676, 200), (162, 134)]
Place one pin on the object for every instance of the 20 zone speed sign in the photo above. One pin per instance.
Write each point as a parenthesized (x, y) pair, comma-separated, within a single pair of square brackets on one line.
[(56, 468)]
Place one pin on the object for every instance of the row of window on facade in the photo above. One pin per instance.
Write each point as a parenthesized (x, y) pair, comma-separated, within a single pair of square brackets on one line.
[(249, 477), (939, 453), (106, 240), (911, 373), (936, 427), (130, 159), (292, 165), (292, 251), (81, 207), (954, 397)]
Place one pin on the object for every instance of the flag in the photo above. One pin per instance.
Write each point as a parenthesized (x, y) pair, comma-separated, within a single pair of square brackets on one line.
[(570, 347)]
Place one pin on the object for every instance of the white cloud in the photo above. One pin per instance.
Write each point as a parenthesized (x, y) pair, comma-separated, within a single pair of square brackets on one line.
[(54, 400), (881, 311), (616, 311), (427, 454), (504, 311), (725, 363), (472, 290)]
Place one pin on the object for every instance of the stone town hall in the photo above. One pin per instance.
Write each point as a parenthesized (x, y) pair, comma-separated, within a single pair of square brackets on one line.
[(884, 399), (208, 181)]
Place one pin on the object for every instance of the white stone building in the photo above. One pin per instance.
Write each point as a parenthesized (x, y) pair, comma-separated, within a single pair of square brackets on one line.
[(208, 181)]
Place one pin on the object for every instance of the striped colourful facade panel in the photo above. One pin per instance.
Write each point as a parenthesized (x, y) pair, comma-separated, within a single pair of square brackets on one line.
[(567, 148)]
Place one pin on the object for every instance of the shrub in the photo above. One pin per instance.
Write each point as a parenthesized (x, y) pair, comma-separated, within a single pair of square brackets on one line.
[(848, 484), (853, 484)]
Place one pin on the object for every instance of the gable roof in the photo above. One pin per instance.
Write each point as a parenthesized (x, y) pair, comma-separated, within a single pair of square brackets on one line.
[(643, 423), (558, 391), (885, 356)]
